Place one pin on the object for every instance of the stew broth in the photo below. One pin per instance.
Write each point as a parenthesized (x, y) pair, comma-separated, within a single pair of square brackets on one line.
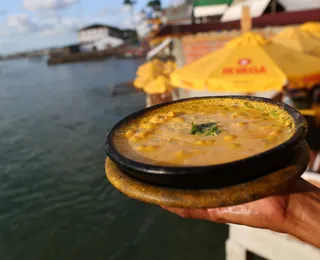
[(202, 136)]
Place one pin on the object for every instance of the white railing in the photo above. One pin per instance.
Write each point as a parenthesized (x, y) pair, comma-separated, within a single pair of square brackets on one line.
[(268, 244)]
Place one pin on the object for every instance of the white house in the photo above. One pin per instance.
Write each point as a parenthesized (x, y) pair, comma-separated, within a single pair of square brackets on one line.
[(100, 37)]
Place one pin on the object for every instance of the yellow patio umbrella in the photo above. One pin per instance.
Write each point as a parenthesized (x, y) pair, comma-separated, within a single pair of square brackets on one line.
[(144, 68), (311, 27), (145, 78), (297, 39), (153, 65), (141, 81), (249, 63), (158, 86), (148, 72), (169, 67)]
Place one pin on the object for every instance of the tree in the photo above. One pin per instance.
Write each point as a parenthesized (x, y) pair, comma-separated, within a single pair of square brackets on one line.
[(131, 3), (155, 5)]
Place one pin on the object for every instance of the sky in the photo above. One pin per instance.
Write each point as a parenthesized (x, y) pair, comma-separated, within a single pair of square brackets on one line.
[(36, 24)]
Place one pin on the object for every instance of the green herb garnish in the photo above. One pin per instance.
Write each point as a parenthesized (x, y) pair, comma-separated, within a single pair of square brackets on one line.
[(195, 129), (209, 129), (274, 113), (248, 105)]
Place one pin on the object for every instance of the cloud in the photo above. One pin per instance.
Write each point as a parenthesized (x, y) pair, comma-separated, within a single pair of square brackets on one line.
[(108, 11), (21, 23), (5, 30), (38, 5), (177, 2), (119, 16), (3, 12), (127, 20), (62, 25)]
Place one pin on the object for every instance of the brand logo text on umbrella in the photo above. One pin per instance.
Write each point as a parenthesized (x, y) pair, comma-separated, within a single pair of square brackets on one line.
[(244, 68), (244, 62)]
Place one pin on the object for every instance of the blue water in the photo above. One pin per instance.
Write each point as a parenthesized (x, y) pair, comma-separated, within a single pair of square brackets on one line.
[(55, 200)]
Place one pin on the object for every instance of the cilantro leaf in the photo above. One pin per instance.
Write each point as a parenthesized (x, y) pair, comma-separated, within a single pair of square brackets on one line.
[(209, 129), (273, 113)]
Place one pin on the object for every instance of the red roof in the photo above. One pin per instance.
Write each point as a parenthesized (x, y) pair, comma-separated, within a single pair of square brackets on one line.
[(277, 19)]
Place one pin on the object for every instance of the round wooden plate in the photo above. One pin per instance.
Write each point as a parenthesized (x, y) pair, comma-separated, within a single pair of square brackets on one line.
[(207, 176), (211, 198)]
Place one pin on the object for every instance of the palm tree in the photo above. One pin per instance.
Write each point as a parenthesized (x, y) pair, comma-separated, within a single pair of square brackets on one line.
[(155, 5), (130, 4)]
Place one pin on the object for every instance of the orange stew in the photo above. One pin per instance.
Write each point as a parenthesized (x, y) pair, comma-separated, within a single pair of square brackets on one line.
[(210, 136)]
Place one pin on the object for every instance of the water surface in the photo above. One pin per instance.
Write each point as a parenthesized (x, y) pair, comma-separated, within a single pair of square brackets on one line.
[(55, 200)]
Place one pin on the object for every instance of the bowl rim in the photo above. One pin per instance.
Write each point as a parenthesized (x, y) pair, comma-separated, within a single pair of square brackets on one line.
[(301, 128)]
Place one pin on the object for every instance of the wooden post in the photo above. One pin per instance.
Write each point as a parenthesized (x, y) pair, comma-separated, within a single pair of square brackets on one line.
[(273, 6), (246, 22)]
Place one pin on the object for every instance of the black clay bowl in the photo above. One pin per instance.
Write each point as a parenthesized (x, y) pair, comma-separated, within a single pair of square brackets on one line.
[(211, 176)]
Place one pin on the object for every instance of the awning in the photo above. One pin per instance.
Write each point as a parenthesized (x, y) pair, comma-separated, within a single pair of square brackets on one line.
[(297, 5), (159, 48), (212, 10), (277, 19), (234, 12), (211, 2), (204, 8)]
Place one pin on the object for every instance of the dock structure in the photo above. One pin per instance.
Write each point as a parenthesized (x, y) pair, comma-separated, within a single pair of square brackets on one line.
[(245, 242)]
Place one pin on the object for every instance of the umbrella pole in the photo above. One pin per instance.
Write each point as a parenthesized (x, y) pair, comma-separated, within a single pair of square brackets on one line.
[(246, 21), (246, 25), (273, 6)]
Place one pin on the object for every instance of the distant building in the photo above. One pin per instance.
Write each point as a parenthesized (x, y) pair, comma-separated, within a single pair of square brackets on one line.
[(298, 5), (101, 37), (206, 11), (257, 9), (210, 10), (97, 32), (129, 34), (143, 28), (180, 14)]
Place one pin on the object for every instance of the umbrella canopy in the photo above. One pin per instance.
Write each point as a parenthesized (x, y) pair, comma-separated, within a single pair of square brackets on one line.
[(148, 72), (152, 73), (158, 86), (169, 67), (249, 63), (149, 67), (297, 39), (311, 27), (141, 81)]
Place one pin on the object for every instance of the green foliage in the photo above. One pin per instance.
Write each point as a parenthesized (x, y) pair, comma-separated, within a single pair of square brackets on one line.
[(209, 129), (129, 2), (155, 5)]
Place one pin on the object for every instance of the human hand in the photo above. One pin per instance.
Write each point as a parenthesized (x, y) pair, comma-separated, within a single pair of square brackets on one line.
[(296, 211)]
